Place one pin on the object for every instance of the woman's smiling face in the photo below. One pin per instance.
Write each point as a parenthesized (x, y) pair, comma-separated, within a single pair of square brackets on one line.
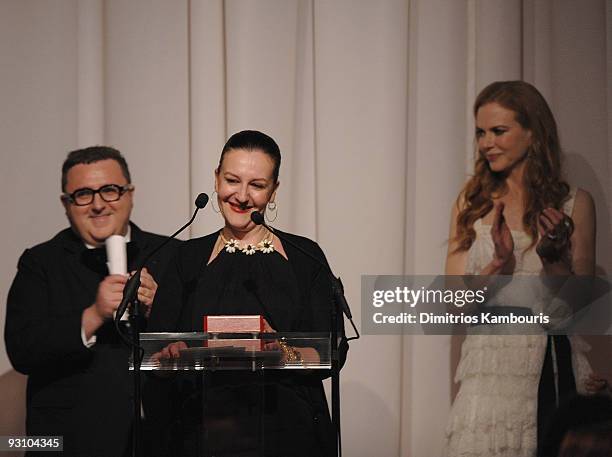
[(244, 183), (501, 139)]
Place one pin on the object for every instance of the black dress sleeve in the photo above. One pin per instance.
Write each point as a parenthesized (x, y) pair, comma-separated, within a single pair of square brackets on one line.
[(317, 294)]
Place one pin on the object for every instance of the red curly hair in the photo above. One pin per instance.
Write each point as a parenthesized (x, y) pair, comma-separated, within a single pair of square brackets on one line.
[(544, 186)]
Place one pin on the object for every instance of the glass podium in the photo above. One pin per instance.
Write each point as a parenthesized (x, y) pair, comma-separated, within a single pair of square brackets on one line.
[(235, 395)]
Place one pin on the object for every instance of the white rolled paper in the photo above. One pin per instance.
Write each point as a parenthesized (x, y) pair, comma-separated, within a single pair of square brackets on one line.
[(116, 256)]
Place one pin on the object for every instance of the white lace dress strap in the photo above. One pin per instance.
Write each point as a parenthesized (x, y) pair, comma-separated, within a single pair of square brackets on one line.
[(568, 206)]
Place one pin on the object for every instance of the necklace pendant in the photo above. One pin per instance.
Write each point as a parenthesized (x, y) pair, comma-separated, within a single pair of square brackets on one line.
[(266, 246), (249, 249), (231, 246)]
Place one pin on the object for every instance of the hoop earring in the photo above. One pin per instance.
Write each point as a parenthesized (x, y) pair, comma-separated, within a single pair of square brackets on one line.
[(273, 208), (212, 202)]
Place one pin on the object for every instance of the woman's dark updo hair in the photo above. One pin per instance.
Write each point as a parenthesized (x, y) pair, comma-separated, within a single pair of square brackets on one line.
[(252, 140)]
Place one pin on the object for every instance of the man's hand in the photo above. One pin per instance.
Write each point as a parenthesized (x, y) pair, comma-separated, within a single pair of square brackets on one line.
[(146, 291), (110, 293)]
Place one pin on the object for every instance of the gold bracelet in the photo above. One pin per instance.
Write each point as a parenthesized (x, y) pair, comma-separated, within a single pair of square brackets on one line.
[(291, 355)]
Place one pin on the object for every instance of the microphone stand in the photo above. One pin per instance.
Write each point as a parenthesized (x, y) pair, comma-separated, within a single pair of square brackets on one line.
[(335, 372), (339, 305), (137, 354), (130, 297)]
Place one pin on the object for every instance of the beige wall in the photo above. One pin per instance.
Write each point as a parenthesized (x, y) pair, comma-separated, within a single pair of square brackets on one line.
[(370, 103)]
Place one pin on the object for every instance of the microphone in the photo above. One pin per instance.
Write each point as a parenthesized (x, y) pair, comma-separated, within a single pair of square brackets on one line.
[(201, 200), (258, 218), (131, 287), (337, 286)]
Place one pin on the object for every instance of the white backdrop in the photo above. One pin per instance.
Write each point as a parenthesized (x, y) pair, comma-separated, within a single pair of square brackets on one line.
[(370, 102)]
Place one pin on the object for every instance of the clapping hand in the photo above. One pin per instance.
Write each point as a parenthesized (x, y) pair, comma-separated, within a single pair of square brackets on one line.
[(502, 240), (555, 230)]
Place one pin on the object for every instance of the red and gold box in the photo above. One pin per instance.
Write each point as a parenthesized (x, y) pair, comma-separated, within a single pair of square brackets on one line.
[(235, 324)]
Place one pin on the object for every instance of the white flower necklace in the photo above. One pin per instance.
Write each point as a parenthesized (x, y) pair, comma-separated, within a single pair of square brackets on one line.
[(265, 245)]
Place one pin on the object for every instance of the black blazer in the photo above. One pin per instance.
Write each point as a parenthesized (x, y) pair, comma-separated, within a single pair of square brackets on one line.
[(82, 394)]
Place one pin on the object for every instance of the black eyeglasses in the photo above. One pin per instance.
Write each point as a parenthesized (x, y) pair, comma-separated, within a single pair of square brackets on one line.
[(108, 193)]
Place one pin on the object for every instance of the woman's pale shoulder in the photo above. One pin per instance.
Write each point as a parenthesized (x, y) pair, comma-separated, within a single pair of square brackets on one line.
[(583, 196), (583, 201)]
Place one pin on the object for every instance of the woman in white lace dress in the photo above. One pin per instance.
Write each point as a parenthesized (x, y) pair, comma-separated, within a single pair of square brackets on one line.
[(512, 209)]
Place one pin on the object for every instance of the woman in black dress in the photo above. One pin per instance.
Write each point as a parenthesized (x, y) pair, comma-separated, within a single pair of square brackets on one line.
[(244, 269)]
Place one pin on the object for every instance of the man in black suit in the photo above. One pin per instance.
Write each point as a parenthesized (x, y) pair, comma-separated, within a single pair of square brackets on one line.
[(59, 327)]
